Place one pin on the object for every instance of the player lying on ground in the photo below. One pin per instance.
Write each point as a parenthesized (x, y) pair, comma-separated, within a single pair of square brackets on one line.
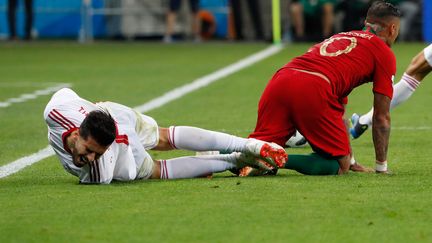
[(309, 93), (107, 141), (418, 69)]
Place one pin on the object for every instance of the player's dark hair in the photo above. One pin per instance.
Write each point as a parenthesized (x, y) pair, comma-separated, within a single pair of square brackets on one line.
[(381, 10), (100, 126)]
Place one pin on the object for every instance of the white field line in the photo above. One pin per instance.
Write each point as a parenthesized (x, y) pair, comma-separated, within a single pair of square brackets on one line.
[(20, 164), (174, 94), (34, 95), (208, 79)]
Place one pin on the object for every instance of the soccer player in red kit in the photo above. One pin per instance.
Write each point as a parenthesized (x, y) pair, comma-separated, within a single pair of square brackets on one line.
[(310, 92)]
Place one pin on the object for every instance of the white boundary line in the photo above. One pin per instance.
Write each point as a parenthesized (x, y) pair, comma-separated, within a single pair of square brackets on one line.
[(208, 79), (20, 164), (174, 94), (34, 95)]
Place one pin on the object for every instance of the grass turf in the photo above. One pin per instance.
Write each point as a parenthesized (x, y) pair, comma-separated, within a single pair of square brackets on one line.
[(44, 203)]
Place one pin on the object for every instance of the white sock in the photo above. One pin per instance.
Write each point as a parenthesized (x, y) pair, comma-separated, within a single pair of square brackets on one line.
[(401, 92), (196, 166), (197, 139)]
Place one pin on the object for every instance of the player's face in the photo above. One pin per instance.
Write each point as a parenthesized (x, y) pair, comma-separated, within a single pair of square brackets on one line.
[(86, 151)]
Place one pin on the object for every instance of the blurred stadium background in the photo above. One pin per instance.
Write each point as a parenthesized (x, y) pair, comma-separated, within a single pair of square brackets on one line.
[(145, 19), (43, 203)]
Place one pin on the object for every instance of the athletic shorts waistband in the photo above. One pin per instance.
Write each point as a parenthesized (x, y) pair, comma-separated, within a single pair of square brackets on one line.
[(322, 76)]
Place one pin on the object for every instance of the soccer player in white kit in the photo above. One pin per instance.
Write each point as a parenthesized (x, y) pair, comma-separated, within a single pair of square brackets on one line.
[(418, 69), (101, 142)]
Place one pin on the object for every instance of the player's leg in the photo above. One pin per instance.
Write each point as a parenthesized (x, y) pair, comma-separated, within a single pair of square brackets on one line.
[(297, 19), (322, 125), (12, 7), (271, 127), (312, 164), (196, 24), (174, 6), (191, 167), (420, 66), (283, 99), (273, 122), (236, 8), (197, 139), (29, 18), (198, 166)]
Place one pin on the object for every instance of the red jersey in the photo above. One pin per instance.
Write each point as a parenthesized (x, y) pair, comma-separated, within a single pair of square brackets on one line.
[(350, 59)]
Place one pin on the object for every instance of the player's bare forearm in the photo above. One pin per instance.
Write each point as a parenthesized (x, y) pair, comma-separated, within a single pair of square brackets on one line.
[(381, 135), (381, 126), (344, 164)]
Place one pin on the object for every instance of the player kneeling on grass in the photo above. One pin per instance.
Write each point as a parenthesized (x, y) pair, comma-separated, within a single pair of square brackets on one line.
[(309, 94), (108, 141)]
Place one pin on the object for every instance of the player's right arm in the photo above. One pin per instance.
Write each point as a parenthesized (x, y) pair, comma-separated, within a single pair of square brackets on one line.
[(381, 129)]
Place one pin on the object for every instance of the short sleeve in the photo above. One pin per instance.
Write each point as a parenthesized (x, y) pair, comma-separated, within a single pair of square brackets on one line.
[(344, 100), (384, 74)]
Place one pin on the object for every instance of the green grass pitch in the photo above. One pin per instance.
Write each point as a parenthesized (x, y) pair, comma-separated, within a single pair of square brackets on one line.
[(43, 203)]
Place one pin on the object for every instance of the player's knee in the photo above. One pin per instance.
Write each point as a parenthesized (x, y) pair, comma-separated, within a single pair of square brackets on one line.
[(164, 143), (156, 173)]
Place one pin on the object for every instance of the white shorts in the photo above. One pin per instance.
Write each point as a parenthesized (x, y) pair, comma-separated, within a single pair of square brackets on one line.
[(148, 134), (147, 130), (145, 171), (428, 54)]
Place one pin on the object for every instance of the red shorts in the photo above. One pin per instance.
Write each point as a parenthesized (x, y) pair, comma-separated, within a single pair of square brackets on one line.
[(295, 100)]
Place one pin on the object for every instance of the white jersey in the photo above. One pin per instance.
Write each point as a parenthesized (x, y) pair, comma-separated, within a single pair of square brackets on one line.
[(125, 159)]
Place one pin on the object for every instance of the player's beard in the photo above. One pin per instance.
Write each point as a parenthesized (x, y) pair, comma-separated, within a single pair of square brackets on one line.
[(78, 160)]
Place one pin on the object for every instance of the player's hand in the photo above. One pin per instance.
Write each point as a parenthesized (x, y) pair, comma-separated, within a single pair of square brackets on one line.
[(356, 167)]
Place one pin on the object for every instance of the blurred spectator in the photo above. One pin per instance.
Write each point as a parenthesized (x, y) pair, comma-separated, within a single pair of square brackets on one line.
[(174, 6), (410, 29), (12, 9), (312, 19), (355, 12), (410, 10), (254, 13)]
